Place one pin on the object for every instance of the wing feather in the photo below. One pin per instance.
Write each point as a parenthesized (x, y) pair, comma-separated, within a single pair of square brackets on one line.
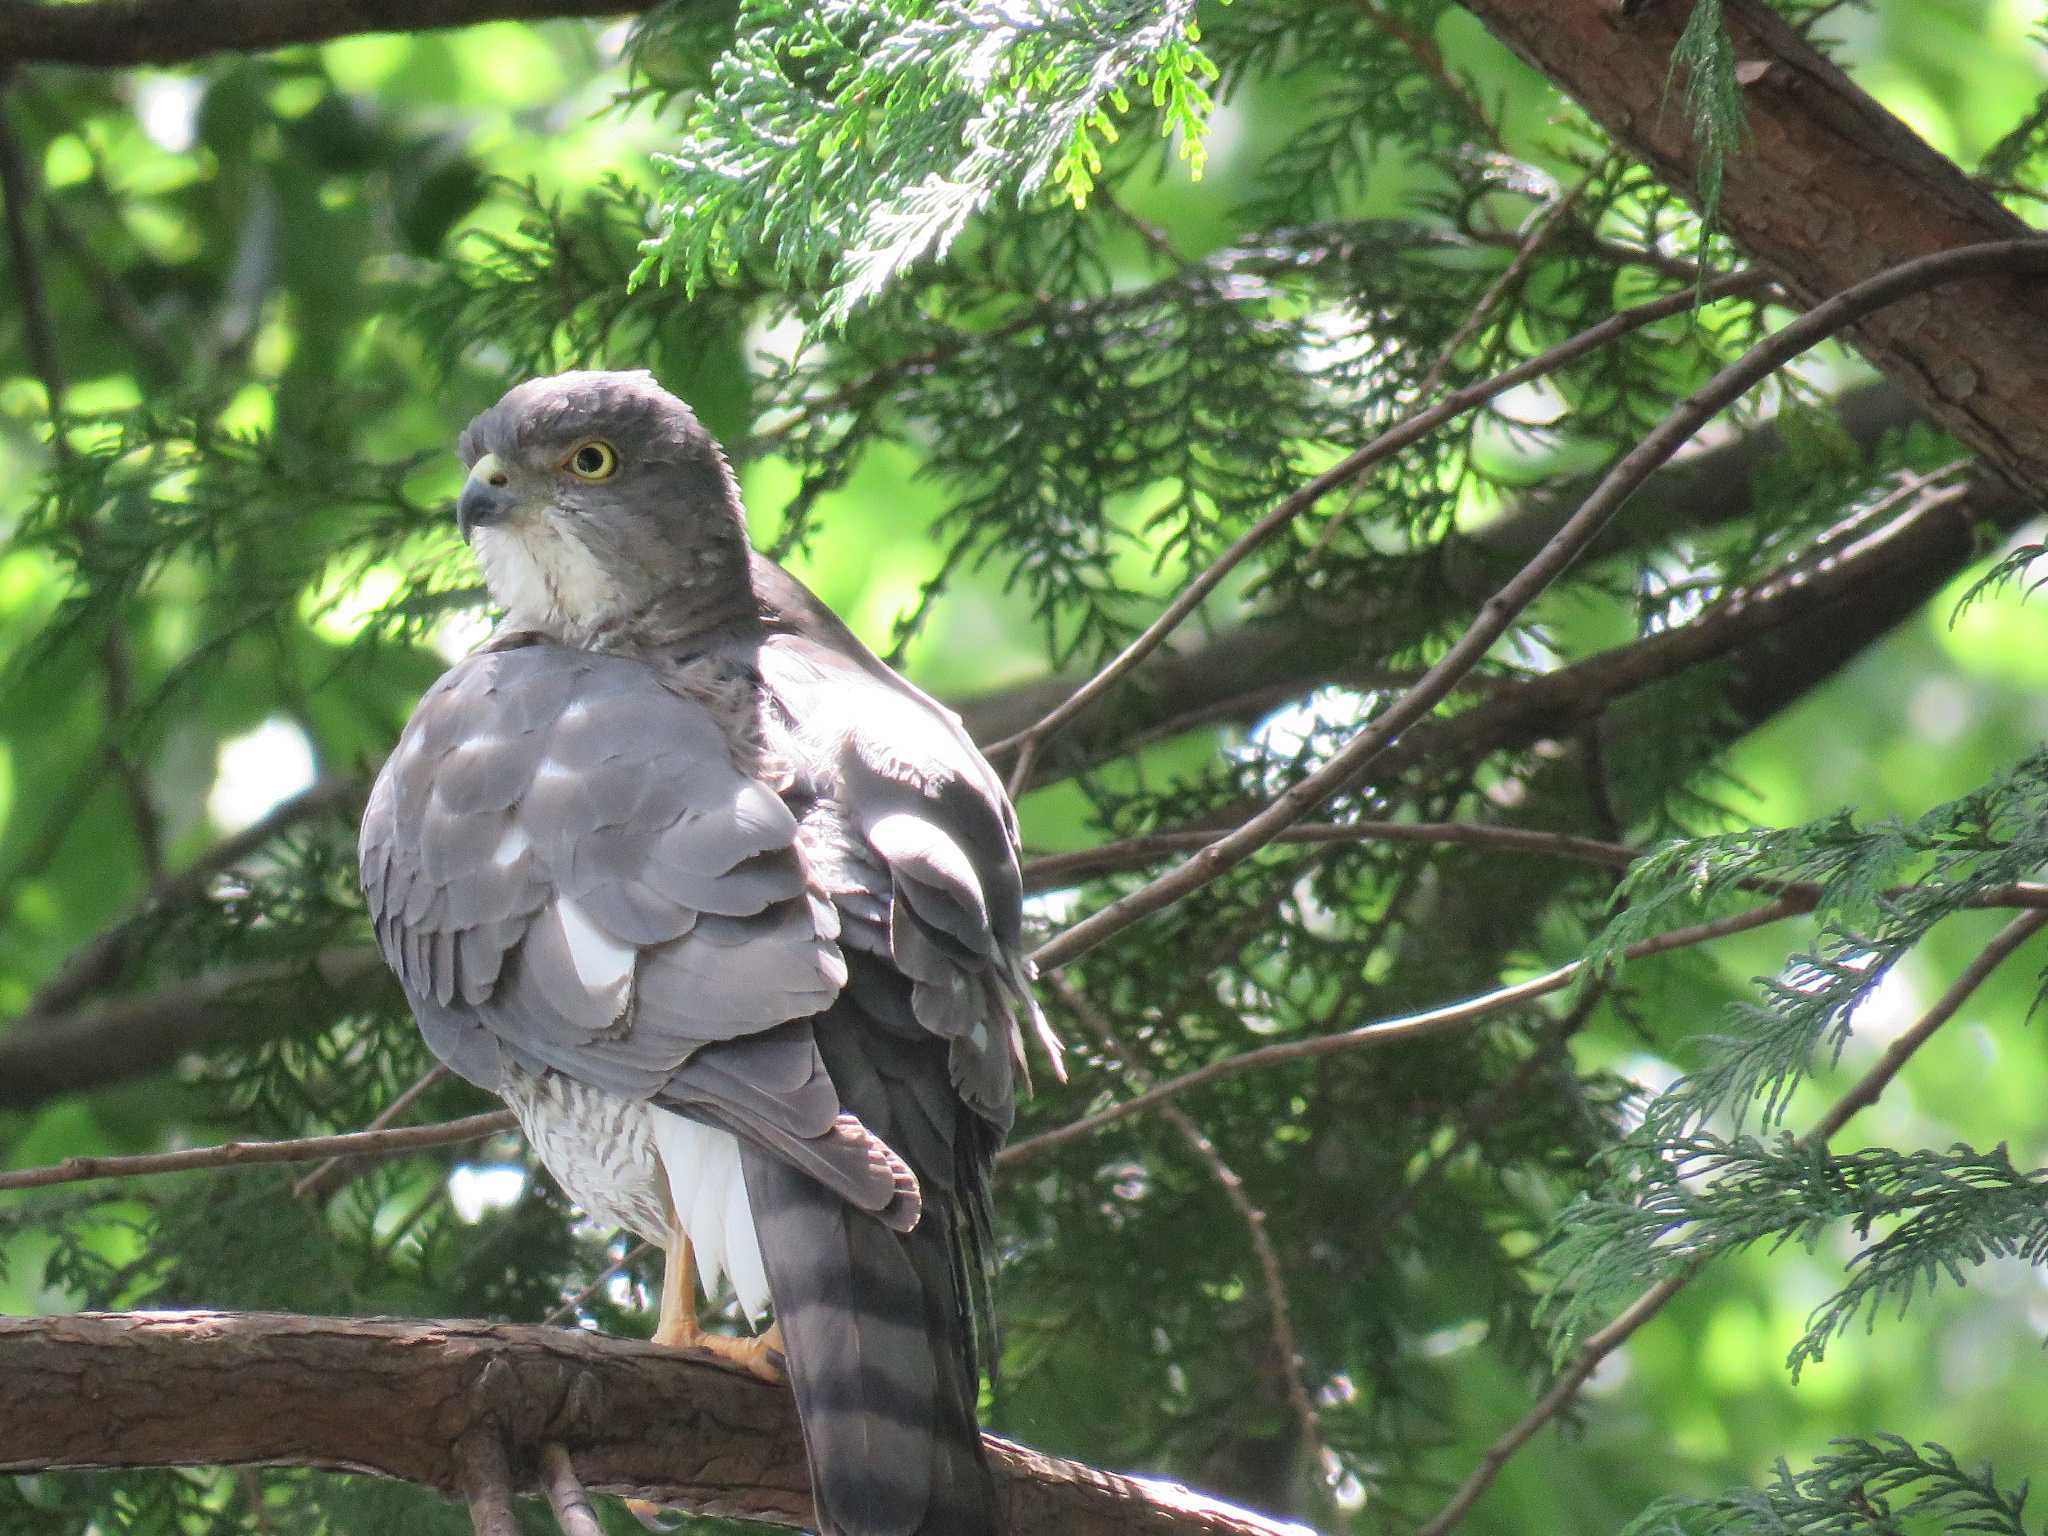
[(567, 870)]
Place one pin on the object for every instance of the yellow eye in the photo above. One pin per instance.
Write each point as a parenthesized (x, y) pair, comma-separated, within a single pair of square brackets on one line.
[(594, 460)]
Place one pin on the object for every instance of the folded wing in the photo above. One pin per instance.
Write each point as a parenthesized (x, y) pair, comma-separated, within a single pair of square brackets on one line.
[(568, 872)]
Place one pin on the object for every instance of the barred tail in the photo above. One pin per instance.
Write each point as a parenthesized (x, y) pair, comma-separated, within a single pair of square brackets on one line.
[(877, 1332)]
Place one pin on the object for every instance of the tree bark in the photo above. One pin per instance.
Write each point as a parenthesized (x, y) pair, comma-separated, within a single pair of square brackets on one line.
[(1827, 189), (116, 33), (398, 1399)]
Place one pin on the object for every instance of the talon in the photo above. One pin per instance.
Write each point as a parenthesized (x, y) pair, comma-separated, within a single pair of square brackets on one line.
[(653, 1516), (760, 1358)]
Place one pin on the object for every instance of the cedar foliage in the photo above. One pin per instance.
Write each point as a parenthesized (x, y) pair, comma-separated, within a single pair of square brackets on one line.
[(961, 249)]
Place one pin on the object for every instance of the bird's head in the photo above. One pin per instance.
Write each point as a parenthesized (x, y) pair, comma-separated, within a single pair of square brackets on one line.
[(597, 498)]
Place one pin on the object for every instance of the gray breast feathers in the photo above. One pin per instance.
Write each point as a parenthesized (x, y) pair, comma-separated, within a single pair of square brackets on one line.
[(568, 872)]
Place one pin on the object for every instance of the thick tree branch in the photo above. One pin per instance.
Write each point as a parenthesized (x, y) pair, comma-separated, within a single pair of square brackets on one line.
[(402, 1399), (1827, 189), (1411, 429), (1500, 611), (125, 32), (131, 1036)]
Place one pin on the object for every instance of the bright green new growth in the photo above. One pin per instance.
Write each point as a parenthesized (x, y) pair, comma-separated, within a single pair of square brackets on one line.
[(1883, 1484), (1713, 97), (847, 143)]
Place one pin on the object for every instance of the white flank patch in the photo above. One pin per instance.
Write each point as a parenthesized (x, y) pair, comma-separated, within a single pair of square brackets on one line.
[(710, 1195), (511, 845), (602, 962)]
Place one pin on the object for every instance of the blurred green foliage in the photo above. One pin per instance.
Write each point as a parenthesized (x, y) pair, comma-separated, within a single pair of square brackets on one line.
[(1001, 373)]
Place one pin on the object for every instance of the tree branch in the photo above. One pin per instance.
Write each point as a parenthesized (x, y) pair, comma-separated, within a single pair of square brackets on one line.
[(383, 1142), (131, 1036), (118, 33), (1499, 612), (1286, 1345), (401, 1399), (1411, 429), (1827, 188), (1861, 1095)]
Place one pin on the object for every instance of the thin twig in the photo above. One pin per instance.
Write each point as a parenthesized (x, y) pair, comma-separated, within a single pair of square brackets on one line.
[(1868, 1087), (623, 1262), (19, 191), (1410, 429), (566, 1494), (1500, 611), (145, 340), (487, 1483), (1413, 1026), (1051, 870), (98, 961), (1863, 1093), (1548, 219), (235, 1154), (322, 1182), (1286, 1345)]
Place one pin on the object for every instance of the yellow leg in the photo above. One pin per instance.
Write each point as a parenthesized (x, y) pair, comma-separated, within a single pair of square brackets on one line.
[(678, 1328)]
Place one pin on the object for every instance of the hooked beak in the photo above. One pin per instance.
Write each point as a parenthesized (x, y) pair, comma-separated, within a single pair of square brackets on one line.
[(485, 498)]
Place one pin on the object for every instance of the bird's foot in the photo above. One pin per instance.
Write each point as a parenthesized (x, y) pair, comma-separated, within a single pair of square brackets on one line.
[(760, 1357), (655, 1517)]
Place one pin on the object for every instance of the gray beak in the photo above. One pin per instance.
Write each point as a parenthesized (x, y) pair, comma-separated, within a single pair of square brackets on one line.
[(485, 498)]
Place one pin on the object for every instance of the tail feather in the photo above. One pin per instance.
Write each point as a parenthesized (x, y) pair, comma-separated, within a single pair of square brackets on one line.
[(877, 1332)]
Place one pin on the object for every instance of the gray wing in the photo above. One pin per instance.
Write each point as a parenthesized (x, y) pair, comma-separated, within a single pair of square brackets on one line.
[(567, 872), (915, 840), (909, 832)]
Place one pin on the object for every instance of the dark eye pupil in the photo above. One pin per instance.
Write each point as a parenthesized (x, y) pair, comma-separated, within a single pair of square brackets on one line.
[(590, 459)]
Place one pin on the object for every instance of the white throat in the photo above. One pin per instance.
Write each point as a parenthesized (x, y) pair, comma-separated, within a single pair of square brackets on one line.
[(545, 579)]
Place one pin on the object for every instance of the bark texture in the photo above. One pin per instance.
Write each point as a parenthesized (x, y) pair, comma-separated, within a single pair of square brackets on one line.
[(1828, 189), (124, 32), (402, 1399)]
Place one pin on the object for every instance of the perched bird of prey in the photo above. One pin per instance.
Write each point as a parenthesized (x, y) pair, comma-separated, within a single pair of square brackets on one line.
[(729, 914)]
